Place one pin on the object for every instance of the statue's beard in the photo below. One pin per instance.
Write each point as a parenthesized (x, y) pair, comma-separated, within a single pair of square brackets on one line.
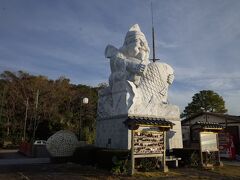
[(138, 53), (141, 55), (133, 52)]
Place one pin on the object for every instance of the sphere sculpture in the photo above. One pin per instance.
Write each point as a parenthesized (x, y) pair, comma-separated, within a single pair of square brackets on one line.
[(62, 144)]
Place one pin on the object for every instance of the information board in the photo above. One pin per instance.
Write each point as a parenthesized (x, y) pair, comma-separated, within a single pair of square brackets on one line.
[(148, 140), (208, 142)]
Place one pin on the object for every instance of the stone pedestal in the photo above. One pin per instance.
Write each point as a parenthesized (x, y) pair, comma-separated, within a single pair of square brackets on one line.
[(112, 133), (174, 135)]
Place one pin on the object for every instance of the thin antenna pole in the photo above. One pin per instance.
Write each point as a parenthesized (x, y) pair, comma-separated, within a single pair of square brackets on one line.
[(153, 38)]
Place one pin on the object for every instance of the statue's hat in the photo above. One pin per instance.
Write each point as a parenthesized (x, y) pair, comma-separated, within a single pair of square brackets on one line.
[(134, 32)]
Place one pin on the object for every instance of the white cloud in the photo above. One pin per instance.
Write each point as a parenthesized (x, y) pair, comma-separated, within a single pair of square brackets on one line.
[(180, 98), (232, 99), (166, 44), (213, 80)]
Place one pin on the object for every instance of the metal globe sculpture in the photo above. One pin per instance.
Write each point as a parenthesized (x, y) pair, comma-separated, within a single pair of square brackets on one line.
[(62, 144)]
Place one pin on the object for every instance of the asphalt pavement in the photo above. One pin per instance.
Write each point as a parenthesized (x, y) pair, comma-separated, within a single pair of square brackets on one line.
[(231, 163), (13, 157)]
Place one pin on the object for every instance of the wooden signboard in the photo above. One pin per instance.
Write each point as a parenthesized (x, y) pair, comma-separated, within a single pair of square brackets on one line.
[(148, 141), (206, 136), (209, 149), (209, 142)]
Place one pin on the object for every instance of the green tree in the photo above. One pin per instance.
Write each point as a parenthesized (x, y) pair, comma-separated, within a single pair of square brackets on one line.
[(58, 107), (204, 101)]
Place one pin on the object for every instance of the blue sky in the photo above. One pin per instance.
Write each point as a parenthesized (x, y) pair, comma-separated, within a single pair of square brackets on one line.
[(200, 39)]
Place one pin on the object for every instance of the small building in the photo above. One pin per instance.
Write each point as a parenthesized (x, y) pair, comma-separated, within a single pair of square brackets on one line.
[(230, 123)]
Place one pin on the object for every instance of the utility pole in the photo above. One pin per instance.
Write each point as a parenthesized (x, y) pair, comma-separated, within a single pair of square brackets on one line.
[(1, 108), (36, 116), (2, 101), (25, 121), (84, 100), (80, 121)]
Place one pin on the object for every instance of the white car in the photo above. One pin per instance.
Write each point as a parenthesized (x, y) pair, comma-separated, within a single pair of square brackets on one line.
[(40, 142)]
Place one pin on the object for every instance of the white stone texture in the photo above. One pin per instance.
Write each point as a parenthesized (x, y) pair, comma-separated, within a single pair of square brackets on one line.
[(62, 144), (136, 86), (150, 97), (154, 84), (174, 136), (116, 131)]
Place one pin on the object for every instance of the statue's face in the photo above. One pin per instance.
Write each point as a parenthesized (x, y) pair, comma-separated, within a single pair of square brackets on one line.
[(137, 47)]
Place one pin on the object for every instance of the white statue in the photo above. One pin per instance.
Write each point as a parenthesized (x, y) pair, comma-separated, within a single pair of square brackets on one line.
[(136, 86), (129, 62)]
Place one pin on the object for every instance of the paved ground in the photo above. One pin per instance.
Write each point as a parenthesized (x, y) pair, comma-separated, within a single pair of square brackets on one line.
[(10, 154), (65, 171), (24, 161), (14, 166), (69, 171), (232, 163), (13, 157)]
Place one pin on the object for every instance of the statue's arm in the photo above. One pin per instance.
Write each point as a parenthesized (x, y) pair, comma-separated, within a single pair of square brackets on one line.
[(110, 51), (135, 66), (132, 65)]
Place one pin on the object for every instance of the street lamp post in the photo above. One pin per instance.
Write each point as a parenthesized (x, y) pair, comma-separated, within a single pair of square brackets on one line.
[(84, 100)]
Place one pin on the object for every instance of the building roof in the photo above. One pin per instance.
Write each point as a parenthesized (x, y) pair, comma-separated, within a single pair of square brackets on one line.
[(208, 125), (225, 116), (148, 121)]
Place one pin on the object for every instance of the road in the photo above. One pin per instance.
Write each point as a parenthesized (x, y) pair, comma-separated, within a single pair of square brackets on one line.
[(232, 163), (13, 157)]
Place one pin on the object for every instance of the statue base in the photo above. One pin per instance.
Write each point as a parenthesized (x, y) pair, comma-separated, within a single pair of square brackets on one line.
[(112, 133)]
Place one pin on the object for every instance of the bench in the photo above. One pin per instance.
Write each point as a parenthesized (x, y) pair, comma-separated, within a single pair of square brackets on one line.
[(173, 159)]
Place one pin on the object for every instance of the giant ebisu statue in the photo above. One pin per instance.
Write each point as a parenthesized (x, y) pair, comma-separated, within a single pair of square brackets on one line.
[(137, 87)]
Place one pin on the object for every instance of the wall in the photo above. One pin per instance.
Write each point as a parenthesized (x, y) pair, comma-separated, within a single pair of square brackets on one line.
[(115, 130), (174, 136)]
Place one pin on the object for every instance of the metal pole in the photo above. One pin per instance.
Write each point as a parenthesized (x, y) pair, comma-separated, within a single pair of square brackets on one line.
[(132, 153), (80, 122), (8, 129), (35, 119), (2, 101), (25, 121), (153, 38), (201, 153), (218, 152), (165, 167)]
